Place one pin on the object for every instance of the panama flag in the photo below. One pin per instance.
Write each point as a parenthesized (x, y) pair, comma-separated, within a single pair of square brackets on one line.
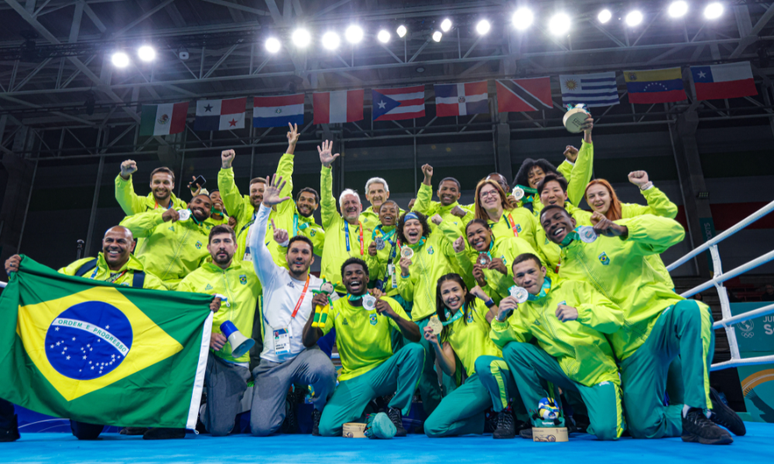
[(523, 95), (397, 104), (218, 115), (461, 99), (719, 81), (164, 119), (278, 111), (338, 106)]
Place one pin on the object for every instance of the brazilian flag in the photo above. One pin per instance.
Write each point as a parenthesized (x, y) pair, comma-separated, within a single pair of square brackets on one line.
[(102, 353)]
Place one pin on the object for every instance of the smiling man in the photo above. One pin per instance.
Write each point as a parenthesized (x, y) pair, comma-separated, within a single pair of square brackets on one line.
[(448, 207), (162, 183), (377, 192)]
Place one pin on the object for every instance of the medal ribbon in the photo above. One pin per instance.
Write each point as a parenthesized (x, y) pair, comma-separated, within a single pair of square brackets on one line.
[(512, 225), (301, 298), (157, 204), (419, 244), (451, 319), (543, 290), (112, 279), (346, 237)]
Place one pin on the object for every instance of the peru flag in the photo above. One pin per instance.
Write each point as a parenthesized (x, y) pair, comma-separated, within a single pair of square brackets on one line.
[(338, 106), (397, 104)]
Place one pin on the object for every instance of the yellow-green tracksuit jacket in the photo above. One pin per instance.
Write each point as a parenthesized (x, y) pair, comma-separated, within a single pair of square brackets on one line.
[(125, 274)]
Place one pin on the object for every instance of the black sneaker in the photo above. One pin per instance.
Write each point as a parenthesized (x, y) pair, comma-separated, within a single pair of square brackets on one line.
[(290, 424), (526, 433), (316, 415), (397, 419), (10, 434), (723, 415), (505, 426), (698, 429), (490, 421), (134, 430), (164, 433)]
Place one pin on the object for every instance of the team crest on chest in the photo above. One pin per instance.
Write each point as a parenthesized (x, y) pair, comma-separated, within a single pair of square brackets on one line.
[(470, 318), (518, 228), (372, 319), (198, 245), (603, 258), (430, 251), (243, 279)]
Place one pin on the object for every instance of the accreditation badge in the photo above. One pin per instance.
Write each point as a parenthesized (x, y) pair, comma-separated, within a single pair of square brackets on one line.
[(281, 341)]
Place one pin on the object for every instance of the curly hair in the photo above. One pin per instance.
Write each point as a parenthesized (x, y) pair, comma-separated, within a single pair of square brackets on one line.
[(402, 222)]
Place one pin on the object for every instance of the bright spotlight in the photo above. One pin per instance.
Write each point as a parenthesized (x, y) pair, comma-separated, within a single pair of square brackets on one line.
[(272, 45), (634, 18), (354, 34), (331, 41), (604, 16), (301, 38), (483, 27), (559, 24), (383, 36), (437, 36), (677, 9), (713, 10), (446, 24), (120, 59), (146, 53), (522, 18), (401, 31)]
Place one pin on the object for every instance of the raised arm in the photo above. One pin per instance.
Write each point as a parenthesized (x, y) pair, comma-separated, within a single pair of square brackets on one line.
[(229, 192), (264, 265), (328, 210), (285, 166), (425, 193), (129, 201), (658, 203)]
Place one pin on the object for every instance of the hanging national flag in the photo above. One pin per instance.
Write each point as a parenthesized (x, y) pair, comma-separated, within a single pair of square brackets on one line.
[(218, 115), (721, 81), (597, 89), (397, 104), (338, 106), (522, 95), (278, 111), (461, 99), (164, 119), (101, 353), (655, 86)]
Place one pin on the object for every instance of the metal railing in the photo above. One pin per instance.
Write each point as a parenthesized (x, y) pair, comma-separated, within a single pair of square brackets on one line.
[(728, 321)]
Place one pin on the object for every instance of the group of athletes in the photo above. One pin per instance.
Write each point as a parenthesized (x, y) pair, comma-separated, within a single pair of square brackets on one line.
[(479, 310)]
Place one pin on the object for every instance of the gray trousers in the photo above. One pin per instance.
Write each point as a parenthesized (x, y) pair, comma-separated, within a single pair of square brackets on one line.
[(272, 380), (226, 384)]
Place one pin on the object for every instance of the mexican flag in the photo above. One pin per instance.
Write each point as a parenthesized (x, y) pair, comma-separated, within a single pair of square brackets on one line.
[(102, 353), (164, 119)]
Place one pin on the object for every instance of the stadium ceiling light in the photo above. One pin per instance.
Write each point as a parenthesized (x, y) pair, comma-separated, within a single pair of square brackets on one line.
[(120, 59), (604, 16), (272, 45), (634, 18), (446, 24), (559, 24), (383, 36), (522, 19), (401, 31), (483, 27), (677, 9), (330, 40), (301, 38), (146, 53), (437, 36), (713, 10), (354, 34)]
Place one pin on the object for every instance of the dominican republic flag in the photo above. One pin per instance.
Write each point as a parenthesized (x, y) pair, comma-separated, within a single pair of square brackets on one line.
[(278, 111), (522, 95), (218, 115), (655, 86), (338, 106), (164, 119), (461, 99), (720, 81), (397, 104), (598, 89)]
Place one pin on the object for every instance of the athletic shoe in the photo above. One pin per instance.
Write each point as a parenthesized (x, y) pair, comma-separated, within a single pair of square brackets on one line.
[(10, 434), (723, 415), (380, 425), (505, 426), (490, 421), (316, 415), (526, 433), (134, 430), (397, 419), (290, 424), (698, 429), (164, 433)]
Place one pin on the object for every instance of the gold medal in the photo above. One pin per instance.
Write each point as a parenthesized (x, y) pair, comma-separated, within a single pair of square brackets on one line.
[(435, 325), (407, 252)]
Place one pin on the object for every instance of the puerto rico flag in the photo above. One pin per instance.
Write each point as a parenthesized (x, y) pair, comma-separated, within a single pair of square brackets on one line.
[(278, 111), (338, 106), (721, 81), (218, 115), (522, 95), (461, 99), (397, 104)]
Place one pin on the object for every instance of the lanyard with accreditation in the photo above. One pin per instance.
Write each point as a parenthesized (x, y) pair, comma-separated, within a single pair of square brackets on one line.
[(283, 334)]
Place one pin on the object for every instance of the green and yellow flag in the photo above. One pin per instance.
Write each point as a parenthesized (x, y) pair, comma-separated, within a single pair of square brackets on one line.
[(102, 353)]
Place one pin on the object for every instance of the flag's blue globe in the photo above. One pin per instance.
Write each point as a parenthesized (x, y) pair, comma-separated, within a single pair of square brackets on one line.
[(88, 340)]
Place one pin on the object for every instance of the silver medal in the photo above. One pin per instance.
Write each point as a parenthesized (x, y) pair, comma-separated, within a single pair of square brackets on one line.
[(407, 252), (587, 234), (369, 302), (520, 293), (183, 214), (518, 193), (379, 241)]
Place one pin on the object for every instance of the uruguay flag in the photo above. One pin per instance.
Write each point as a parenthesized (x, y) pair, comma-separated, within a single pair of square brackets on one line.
[(278, 111), (461, 99), (218, 115), (397, 104)]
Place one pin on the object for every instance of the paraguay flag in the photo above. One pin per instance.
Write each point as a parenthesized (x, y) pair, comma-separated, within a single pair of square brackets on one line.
[(218, 115), (655, 86), (278, 111), (461, 99), (397, 104)]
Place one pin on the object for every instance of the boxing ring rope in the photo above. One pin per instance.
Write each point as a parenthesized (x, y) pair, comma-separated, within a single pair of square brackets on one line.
[(728, 320)]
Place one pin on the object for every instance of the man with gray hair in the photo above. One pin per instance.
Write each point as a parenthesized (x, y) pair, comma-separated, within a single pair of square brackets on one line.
[(377, 192), (345, 235)]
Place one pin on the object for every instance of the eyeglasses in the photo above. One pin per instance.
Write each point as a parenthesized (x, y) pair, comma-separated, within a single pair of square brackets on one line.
[(490, 193)]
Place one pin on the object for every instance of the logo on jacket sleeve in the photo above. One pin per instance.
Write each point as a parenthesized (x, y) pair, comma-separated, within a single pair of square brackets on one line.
[(373, 319), (604, 259), (243, 279), (312, 232), (518, 228), (198, 245)]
